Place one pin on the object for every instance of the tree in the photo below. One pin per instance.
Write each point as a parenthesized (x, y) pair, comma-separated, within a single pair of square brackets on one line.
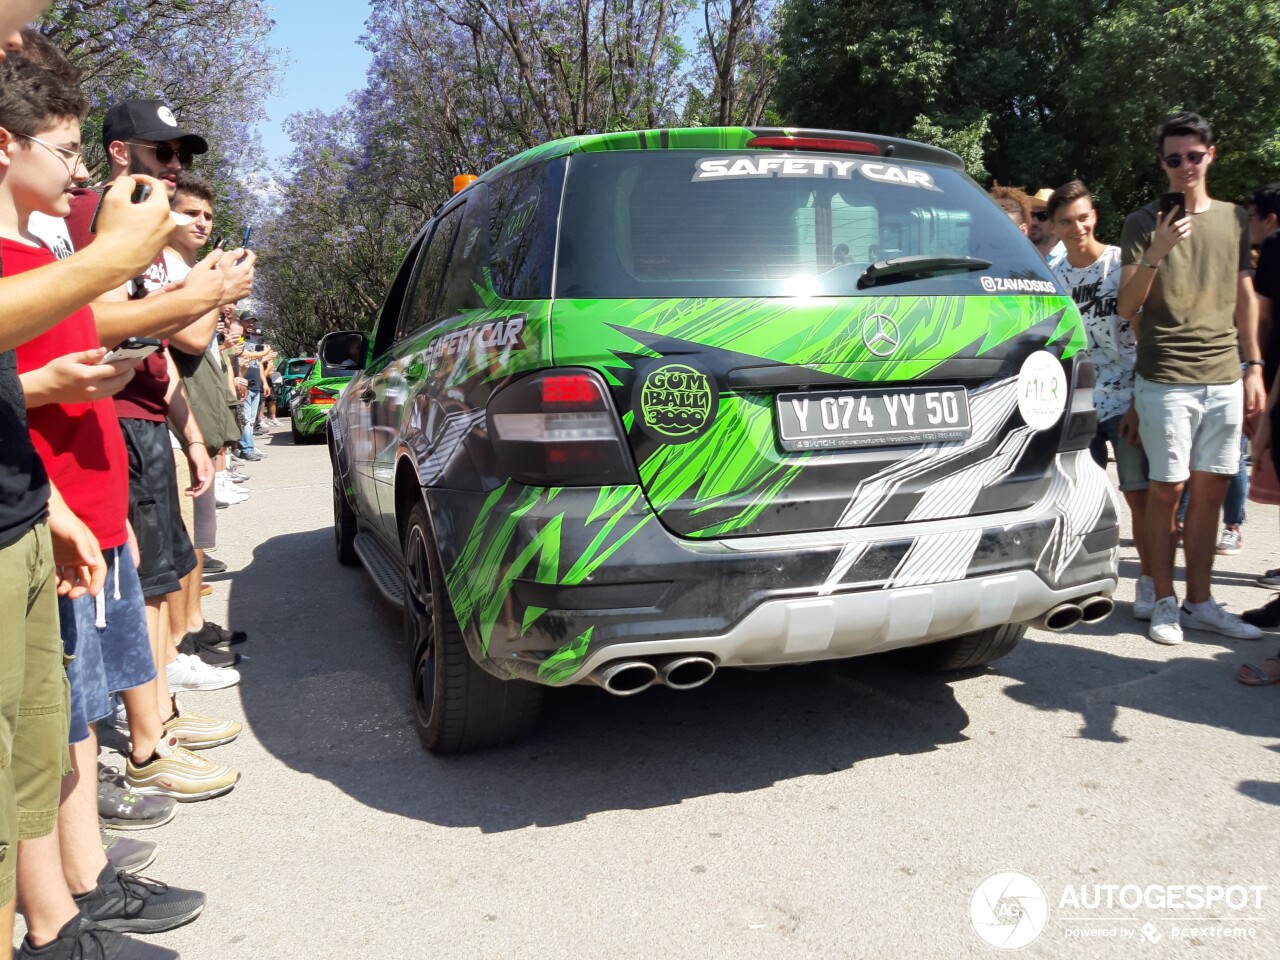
[(211, 61), (1069, 89)]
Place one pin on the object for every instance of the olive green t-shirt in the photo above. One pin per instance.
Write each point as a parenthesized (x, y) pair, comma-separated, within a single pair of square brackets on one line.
[(1187, 329)]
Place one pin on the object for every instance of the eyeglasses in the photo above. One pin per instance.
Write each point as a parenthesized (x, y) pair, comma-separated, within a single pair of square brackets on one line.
[(1040, 216), (68, 156), (1194, 157), (165, 153)]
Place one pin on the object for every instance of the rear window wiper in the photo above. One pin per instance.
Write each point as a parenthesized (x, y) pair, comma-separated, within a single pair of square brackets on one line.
[(916, 266)]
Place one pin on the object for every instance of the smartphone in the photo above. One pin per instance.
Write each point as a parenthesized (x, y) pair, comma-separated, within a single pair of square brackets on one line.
[(140, 194), (134, 348), (225, 244), (247, 232), (1173, 201)]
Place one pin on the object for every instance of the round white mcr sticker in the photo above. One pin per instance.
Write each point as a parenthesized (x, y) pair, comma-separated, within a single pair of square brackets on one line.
[(1042, 390)]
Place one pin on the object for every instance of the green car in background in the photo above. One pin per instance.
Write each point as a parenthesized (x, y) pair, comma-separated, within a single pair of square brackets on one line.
[(313, 397), (292, 371)]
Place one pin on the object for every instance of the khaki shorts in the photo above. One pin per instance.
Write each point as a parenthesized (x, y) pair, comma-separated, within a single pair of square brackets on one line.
[(34, 698)]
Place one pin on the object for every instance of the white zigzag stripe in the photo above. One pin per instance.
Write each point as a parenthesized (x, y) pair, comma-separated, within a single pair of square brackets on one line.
[(1080, 508), (990, 407), (937, 558), (457, 425)]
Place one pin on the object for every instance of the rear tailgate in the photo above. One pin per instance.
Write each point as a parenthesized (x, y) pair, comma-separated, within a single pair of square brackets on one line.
[(769, 381)]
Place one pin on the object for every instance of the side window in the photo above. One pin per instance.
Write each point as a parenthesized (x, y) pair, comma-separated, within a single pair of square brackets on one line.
[(388, 320), (523, 210), (422, 304), (470, 254)]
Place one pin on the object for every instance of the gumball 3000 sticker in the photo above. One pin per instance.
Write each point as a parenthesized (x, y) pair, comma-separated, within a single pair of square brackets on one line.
[(676, 402)]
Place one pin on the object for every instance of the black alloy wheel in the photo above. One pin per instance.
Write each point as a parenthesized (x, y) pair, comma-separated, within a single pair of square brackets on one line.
[(457, 706), (344, 524)]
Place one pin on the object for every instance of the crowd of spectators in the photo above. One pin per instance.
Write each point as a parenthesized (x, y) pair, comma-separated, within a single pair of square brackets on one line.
[(128, 394), (1179, 326)]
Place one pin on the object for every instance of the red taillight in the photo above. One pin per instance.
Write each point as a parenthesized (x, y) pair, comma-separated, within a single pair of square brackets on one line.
[(569, 390), (559, 428), (320, 398), (815, 143)]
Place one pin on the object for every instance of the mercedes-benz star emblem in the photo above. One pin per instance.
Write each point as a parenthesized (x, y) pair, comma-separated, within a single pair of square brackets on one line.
[(880, 334)]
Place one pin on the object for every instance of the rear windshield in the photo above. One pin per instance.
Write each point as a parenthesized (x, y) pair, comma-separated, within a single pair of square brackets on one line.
[(685, 223), (298, 368)]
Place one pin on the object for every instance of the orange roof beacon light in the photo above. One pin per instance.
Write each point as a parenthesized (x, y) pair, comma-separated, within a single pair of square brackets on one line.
[(462, 181)]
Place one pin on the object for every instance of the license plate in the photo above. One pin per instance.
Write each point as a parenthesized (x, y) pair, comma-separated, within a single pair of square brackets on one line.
[(838, 419)]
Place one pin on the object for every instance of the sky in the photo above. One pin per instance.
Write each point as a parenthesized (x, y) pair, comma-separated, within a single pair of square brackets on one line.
[(323, 61)]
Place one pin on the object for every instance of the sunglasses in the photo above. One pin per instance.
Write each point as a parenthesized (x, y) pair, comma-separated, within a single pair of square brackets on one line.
[(165, 153), (1040, 216), (1194, 157)]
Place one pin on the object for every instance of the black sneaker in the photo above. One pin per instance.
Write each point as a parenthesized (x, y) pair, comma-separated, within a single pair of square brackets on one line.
[(193, 643), (216, 635), (128, 904), (214, 565), (128, 855), (79, 939), (121, 809), (1267, 617)]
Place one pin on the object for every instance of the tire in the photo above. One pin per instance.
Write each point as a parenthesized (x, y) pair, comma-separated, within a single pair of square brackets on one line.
[(968, 651), (297, 434), (344, 524), (457, 706)]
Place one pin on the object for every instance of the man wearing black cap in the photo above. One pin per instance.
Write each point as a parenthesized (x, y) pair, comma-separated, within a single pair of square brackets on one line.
[(143, 136)]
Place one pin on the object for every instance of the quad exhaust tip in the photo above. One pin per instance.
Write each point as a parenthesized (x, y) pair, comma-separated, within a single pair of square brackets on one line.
[(1096, 609), (686, 673), (1064, 616), (626, 678)]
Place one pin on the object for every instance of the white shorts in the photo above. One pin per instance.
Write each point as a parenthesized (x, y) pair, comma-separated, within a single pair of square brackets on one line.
[(1186, 427)]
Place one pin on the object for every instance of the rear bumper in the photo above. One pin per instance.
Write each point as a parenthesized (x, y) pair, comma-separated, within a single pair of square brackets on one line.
[(309, 419), (801, 630), (549, 584)]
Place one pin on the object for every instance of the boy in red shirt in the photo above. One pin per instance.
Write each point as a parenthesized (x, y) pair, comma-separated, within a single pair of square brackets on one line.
[(84, 452)]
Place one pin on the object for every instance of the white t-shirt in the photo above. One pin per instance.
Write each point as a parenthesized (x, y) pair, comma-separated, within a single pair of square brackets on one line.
[(53, 233), (1112, 346)]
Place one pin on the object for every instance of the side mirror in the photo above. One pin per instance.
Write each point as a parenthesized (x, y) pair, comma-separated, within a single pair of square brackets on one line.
[(344, 351)]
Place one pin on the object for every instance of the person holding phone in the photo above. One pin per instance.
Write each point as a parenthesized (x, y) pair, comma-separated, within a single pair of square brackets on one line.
[(1187, 291)]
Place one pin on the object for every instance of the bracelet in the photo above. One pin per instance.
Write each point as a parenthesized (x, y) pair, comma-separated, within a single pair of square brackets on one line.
[(1148, 264), (195, 443), (1255, 363)]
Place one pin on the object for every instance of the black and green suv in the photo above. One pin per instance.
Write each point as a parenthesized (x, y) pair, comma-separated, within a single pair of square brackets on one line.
[(639, 406)]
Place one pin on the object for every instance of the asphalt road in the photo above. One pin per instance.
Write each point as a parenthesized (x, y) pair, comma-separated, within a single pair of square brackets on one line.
[(839, 810)]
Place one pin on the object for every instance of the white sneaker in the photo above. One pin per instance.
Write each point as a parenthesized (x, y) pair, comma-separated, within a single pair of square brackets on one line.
[(1217, 620), (1144, 600), (191, 673), (227, 492), (1165, 626)]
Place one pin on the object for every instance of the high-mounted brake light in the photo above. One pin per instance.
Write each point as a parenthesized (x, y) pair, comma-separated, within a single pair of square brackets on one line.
[(559, 428), (815, 143)]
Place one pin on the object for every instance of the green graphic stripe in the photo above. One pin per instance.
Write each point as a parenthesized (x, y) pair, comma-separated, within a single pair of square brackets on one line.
[(703, 138), (566, 661), (480, 580), (733, 466), (815, 333)]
